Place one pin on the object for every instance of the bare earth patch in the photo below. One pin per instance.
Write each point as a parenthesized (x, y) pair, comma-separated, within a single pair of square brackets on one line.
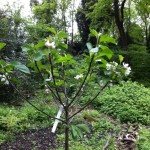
[(38, 139)]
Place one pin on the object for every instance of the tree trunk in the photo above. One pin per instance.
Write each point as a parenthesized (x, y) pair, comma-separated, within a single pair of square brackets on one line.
[(72, 22), (119, 19), (148, 38), (148, 42), (66, 129)]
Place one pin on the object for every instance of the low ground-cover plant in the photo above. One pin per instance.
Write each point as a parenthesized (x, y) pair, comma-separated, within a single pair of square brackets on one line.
[(128, 102), (144, 139), (101, 129), (16, 119), (96, 139)]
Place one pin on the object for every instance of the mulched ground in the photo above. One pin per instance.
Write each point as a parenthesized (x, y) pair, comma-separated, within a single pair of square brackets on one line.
[(41, 139)]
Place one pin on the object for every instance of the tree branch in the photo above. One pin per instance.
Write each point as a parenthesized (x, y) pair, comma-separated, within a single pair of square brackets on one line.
[(83, 81), (90, 101), (31, 103), (53, 77), (44, 80)]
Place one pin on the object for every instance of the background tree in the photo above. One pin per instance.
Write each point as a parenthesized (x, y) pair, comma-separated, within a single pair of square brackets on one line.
[(61, 17), (119, 19), (102, 16), (43, 17), (12, 31), (143, 11), (82, 21)]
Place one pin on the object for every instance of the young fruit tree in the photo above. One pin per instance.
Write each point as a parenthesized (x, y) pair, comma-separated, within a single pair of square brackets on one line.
[(66, 77)]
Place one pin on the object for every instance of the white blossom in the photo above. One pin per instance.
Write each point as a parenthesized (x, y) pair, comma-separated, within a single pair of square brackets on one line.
[(125, 65), (50, 45), (78, 76), (108, 66), (2, 79), (112, 66), (101, 83), (47, 91), (128, 69), (6, 82), (110, 84), (115, 64)]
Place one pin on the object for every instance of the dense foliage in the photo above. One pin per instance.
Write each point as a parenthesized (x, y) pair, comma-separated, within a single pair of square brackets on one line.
[(128, 102)]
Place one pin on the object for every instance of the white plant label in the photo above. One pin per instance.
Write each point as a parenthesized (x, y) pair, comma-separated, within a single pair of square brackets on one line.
[(56, 120)]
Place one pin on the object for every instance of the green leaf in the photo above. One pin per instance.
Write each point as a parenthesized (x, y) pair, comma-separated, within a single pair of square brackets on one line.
[(52, 30), (27, 47), (40, 44), (59, 83), (2, 62), (20, 67), (74, 132), (38, 56), (79, 132), (84, 127), (9, 67), (89, 46), (121, 58), (2, 45), (94, 33), (66, 58), (106, 52), (63, 45), (107, 39), (62, 34)]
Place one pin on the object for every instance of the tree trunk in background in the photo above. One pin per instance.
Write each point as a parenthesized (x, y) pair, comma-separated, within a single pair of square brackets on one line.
[(147, 34), (72, 22), (148, 42), (119, 19)]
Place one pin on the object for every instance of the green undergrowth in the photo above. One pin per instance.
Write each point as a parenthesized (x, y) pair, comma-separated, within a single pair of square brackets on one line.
[(16, 119), (127, 102), (100, 131)]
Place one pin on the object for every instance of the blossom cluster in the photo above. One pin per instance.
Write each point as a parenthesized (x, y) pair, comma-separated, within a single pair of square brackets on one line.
[(127, 69), (115, 68), (111, 66), (4, 79), (78, 76), (50, 45)]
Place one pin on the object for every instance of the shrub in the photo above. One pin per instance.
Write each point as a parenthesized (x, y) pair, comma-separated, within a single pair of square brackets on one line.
[(137, 48), (128, 102)]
